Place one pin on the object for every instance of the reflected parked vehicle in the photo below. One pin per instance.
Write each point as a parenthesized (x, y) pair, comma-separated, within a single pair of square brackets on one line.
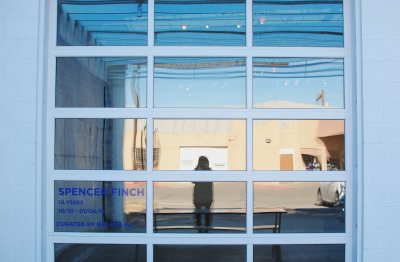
[(331, 194)]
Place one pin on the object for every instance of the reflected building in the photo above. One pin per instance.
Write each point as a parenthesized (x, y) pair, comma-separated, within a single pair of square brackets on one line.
[(182, 142), (298, 145), (120, 144)]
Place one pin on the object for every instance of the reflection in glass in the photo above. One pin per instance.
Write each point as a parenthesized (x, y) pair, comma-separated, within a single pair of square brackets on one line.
[(299, 253), (299, 207), (180, 142), (94, 23), (101, 82), (298, 23), (298, 83), (200, 22), (199, 253), (200, 82), (199, 207), (100, 144), (298, 145), (99, 206), (99, 252)]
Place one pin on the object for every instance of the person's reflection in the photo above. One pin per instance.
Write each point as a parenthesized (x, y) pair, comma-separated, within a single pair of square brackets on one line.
[(203, 197)]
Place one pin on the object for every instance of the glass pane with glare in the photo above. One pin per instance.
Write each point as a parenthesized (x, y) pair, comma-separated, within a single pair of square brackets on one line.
[(206, 82), (298, 83), (200, 23), (298, 23), (102, 23)]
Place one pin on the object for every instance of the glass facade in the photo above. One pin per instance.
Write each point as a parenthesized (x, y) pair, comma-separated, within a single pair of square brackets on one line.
[(100, 144), (299, 253), (99, 206), (99, 252), (100, 23), (145, 94), (300, 207), (310, 145), (214, 207), (200, 82), (200, 23), (298, 83), (181, 142), (101, 82), (298, 23)]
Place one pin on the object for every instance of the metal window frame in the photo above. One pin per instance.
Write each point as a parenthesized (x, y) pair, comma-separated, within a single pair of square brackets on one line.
[(49, 113)]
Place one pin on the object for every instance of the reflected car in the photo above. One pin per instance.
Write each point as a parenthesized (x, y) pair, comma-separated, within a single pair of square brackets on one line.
[(331, 194)]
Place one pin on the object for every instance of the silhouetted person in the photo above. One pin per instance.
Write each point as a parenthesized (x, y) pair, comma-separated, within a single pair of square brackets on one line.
[(203, 196)]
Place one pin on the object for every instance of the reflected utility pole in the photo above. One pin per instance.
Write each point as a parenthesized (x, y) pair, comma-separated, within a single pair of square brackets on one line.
[(321, 97)]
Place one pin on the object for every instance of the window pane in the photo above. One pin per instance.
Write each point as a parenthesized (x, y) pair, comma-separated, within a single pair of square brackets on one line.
[(200, 22), (299, 207), (298, 83), (179, 143), (199, 207), (199, 253), (299, 253), (99, 252), (200, 82), (113, 23), (100, 144), (310, 145), (99, 206), (101, 82), (298, 23)]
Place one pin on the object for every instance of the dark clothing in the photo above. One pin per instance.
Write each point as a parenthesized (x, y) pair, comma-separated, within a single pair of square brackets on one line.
[(202, 200), (203, 197), (203, 193)]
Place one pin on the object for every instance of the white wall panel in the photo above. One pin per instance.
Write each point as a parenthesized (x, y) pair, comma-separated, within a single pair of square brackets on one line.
[(18, 75), (381, 82)]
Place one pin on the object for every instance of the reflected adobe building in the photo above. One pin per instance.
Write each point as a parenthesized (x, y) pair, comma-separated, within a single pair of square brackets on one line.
[(199, 130)]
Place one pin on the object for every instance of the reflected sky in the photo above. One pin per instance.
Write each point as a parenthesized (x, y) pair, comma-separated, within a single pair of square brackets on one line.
[(102, 22), (298, 83), (200, 82), (298, 23), (200, 22)]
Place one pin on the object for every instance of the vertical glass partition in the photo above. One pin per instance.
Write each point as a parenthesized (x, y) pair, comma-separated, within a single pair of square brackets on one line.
[(199, 130)]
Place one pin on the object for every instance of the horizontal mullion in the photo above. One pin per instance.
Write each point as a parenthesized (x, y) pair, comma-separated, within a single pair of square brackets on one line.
[(211, 239), (181, 51), (182, 176), (200, 113)]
